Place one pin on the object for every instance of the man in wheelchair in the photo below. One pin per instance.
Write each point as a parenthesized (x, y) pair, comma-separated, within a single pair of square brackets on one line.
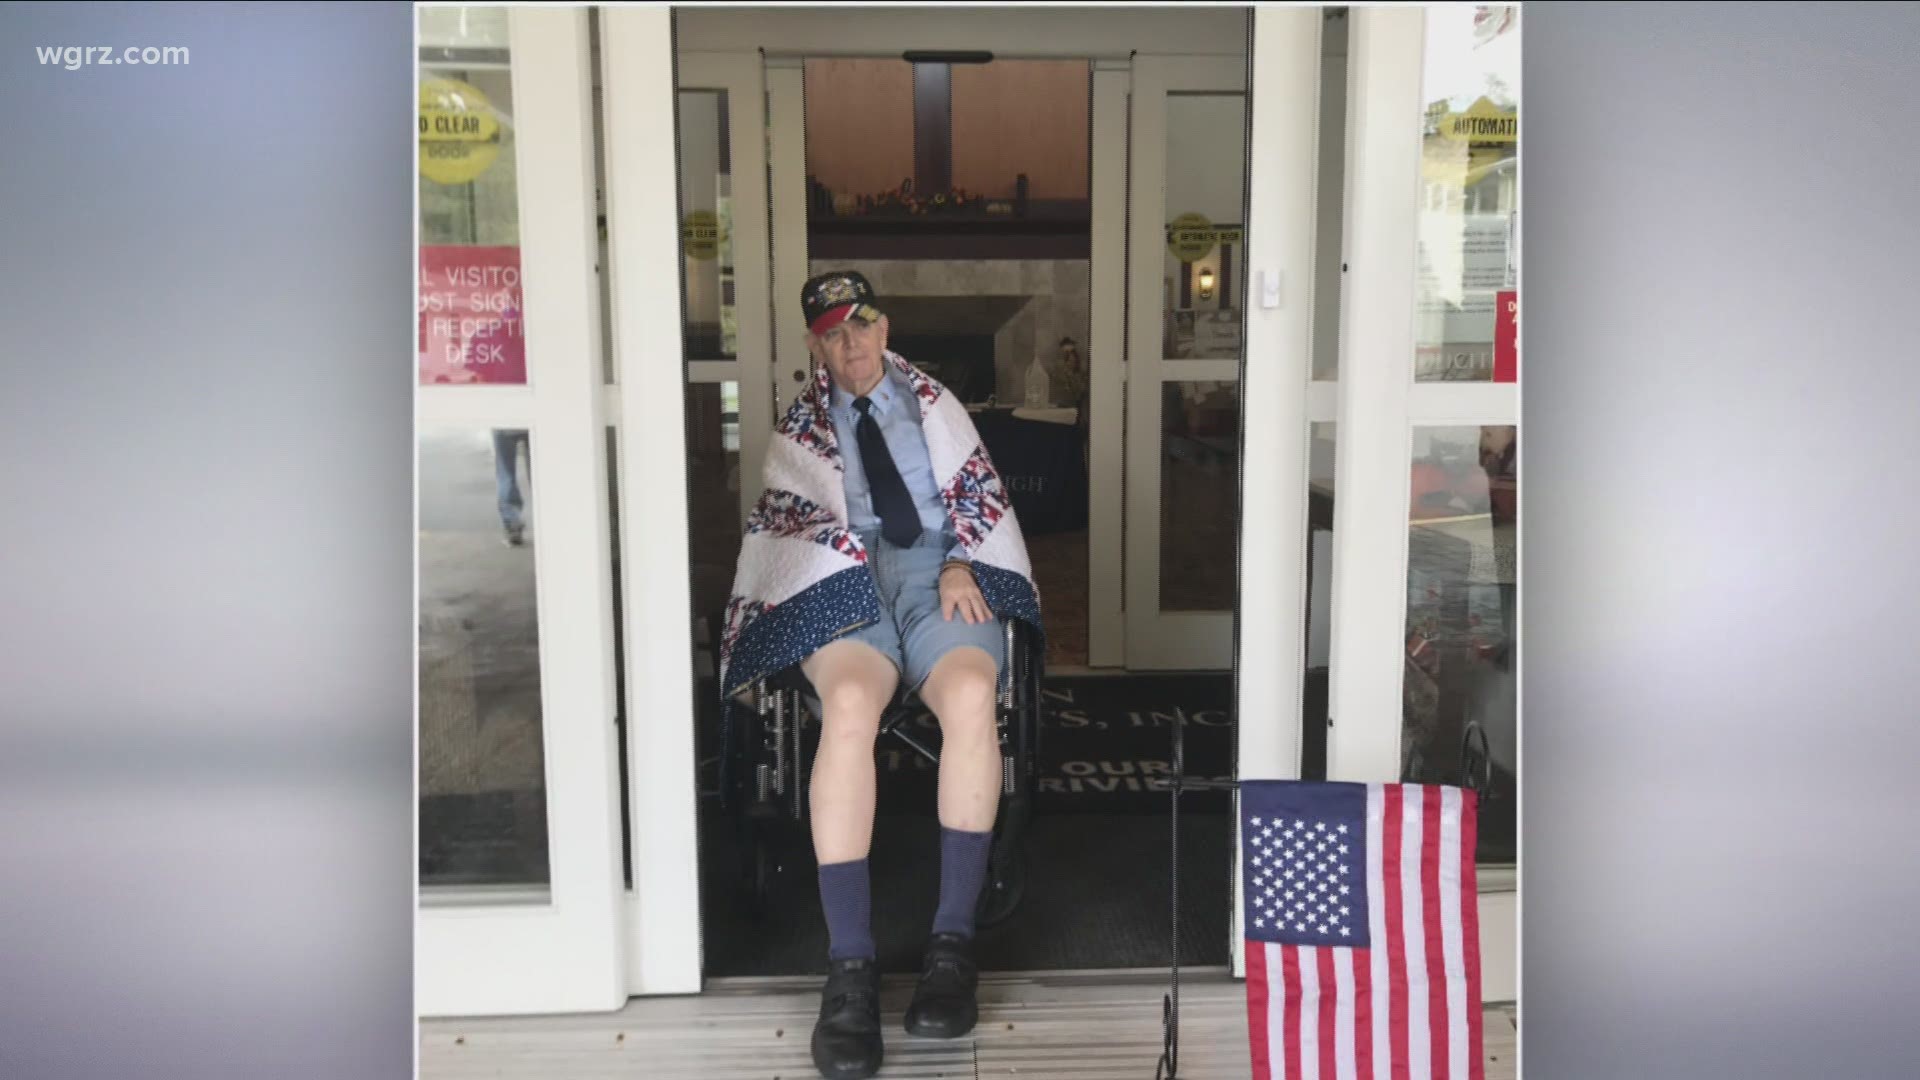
[(880, 561)]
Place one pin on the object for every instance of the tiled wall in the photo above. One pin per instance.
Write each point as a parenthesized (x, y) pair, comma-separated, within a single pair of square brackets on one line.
[(1056, 303)]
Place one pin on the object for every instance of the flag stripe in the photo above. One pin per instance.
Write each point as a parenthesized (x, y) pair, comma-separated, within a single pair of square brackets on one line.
[(1290, 1022), (1470, 931), (1277, 1010), (1308, 1034), (1379, 1064), (1345, 1043), (1451, 942), (1436, 1003), (1413, 909), (1257, 994), (1389, 857), (1363, 1014), (1329, 994)]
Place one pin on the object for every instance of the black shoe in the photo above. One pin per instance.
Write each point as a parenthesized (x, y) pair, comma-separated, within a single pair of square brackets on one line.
[(846, 1040), (943, 1002)]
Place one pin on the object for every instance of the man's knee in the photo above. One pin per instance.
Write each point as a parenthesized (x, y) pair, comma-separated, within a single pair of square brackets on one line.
[(963, 688), (854, 683)]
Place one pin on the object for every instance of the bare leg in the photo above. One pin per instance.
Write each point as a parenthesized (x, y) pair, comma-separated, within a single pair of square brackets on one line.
[(854, 682), (961, 694)]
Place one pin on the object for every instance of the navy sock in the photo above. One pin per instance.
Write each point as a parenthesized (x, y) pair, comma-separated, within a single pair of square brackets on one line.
[(963, 869), (845, 896)]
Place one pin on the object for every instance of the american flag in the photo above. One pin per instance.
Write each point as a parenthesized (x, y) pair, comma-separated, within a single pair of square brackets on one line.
[(1362, 931)]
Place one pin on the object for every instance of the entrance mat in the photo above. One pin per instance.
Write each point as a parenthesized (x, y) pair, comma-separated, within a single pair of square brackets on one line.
[(1096, 897), (1102, 740)]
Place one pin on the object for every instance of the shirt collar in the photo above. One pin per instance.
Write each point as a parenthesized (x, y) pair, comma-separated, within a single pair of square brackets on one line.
[(882, 395)]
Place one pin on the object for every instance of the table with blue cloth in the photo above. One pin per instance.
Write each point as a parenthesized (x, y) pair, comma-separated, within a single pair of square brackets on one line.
[(1042, 464)]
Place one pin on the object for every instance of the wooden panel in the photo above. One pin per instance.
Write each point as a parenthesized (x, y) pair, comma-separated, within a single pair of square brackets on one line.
[(1022, 116), (859, 124)]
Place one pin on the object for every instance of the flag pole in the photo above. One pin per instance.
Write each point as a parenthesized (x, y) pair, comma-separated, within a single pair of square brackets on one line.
[(1169, 1066)]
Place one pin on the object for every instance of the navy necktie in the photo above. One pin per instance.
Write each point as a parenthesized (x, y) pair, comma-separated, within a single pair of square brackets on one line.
[(899, 521)]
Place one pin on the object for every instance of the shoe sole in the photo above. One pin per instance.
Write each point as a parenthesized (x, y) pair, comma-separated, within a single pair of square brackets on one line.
[(927, 1031), (847, 1074)]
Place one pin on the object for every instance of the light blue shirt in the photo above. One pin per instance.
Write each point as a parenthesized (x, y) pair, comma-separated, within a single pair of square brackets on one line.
[(898, 414)]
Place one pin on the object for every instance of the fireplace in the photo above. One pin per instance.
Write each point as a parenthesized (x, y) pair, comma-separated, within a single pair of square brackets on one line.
[(963, 363)]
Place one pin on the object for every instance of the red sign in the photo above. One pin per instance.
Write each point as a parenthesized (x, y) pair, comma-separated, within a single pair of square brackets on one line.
[(470, 316), (1506, 336)]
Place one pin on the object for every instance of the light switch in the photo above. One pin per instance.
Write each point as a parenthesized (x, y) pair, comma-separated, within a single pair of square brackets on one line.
[(1269, 288)]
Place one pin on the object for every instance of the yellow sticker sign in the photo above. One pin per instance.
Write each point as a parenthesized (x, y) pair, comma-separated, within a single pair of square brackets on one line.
[(459, 134), (1191, 237), (1483, 122), (700, 235)]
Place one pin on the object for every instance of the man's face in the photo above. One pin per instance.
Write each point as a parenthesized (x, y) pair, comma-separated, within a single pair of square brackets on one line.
[(853, 352)]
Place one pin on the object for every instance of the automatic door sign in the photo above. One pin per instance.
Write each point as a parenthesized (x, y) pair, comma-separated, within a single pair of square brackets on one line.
[(1190, 237), (1483, 122), (459, 133)]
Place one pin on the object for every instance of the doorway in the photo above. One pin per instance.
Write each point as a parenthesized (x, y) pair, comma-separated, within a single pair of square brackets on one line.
[(1053, 223)]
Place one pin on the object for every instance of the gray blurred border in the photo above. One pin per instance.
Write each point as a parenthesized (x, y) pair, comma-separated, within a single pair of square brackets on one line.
[(1722, 439), (206, 617)]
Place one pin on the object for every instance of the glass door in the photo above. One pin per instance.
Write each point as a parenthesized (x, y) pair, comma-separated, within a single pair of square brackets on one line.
[(1186, 330), (519, 806), (1425, 569)]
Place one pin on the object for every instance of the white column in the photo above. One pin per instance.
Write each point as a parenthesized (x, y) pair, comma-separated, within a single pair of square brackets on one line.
[(644, 237), (1373, 456)]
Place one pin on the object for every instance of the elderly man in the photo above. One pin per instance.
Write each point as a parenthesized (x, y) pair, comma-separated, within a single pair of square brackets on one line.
[(880, 559)]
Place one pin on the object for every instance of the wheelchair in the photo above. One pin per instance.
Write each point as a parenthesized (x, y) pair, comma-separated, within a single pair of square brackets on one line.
[(769, 762)]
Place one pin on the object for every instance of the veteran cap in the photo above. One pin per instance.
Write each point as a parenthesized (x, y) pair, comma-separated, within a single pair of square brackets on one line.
[(829, 299)]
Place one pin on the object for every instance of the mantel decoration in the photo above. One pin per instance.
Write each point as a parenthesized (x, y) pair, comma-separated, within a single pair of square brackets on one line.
[(905, 202)]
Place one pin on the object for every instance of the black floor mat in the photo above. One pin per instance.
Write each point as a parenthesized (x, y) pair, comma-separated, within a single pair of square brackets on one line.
[(1097, 897), (1098, 846)]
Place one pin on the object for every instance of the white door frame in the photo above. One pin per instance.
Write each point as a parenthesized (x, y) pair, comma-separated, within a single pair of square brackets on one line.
[(1280, 234), (1107, 364), (663, 944), (738, 75), (1379, 406), (1159, 639), (560, 949)]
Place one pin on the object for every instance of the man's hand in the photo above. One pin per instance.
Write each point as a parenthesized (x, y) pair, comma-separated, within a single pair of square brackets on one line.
[(959, 592)]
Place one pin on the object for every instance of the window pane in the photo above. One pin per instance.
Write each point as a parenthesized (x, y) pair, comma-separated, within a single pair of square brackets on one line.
[(1204, 260), (1320, 474), (470, 300), (1329, 207), (482, 793), (713, 466), (1199, 494), (706, 233), (1469, 212), (1459, 700)]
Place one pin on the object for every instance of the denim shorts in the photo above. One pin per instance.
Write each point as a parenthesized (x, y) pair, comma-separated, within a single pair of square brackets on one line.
[(912, 632)]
